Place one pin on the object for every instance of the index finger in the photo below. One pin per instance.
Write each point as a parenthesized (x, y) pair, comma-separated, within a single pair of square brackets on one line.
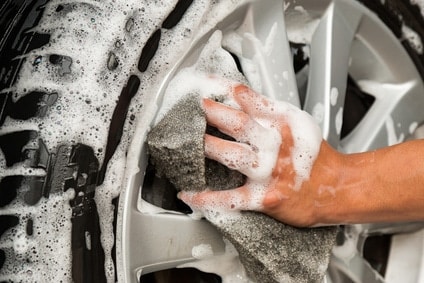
[(253, 103), (230, 121), (207, 201)]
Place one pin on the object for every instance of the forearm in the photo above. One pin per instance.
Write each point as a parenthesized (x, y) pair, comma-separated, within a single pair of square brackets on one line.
[(385, 185)]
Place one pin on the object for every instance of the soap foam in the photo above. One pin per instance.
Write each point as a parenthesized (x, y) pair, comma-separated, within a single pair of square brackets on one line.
[(334, 95), (413, 38), (318, 112), (202, 251), (302, 24), (89, 34), (338, 123)]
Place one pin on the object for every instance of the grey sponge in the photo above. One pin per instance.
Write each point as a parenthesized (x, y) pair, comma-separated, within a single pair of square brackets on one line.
[(176, 143), (269, 250)]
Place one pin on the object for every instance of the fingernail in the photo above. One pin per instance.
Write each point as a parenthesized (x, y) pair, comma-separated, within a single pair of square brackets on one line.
[(206, 103), (184, 196), (240, 89), (180, 195)]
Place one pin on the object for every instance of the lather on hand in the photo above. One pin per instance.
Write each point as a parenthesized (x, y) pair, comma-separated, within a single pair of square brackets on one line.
[(296, 177)]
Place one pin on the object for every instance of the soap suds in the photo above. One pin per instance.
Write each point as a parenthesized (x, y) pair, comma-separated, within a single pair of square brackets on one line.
[(55, 241), (89, 36), (307, 138), (338, 123), (318, 112), (413, 38), (202, 251), (334, 94), (302, 24)]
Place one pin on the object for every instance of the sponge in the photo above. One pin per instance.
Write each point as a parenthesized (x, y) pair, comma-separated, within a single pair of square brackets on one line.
[(269, 250)]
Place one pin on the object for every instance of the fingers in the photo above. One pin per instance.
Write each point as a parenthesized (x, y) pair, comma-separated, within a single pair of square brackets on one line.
[(252, 103), (234, 155), (230, 121)]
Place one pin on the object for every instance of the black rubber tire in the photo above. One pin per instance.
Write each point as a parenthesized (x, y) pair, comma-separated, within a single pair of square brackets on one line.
[(68, 162), (44, 166), (64, 166)]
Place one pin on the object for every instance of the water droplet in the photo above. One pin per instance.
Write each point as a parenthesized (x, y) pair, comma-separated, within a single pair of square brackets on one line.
[(112, 62), (118, 43), (37, 60), (129, 25)]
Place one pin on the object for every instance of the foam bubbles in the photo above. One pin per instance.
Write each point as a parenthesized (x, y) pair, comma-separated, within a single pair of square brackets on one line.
[(318, 112), (94, 47), (413, 38), (334, 95), (302, 24), (307, 138), (202, 251), (20, 245), (338, 123), (49, 257)]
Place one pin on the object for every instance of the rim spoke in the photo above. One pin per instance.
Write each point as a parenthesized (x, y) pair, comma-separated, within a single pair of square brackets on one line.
[(395, 114), (264, 44), (358, 270), (363, 231), (403, 247), (166, 240), (329, 61), (153, 239), (388, 228)]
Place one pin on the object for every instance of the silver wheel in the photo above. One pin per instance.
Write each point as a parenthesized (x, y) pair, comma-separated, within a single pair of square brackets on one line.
[(337, 40)]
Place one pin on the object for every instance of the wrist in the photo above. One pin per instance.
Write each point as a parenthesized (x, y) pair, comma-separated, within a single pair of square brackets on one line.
[(325, 186), (357, 197), (384, 185)]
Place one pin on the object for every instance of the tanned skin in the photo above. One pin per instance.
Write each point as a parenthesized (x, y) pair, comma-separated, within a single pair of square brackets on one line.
[(385, 185)]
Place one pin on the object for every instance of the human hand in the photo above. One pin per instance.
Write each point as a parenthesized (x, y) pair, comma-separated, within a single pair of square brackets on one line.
[(279, 148)]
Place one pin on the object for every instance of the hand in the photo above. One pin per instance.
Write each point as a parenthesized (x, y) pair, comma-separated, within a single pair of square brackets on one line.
[(279, 148)]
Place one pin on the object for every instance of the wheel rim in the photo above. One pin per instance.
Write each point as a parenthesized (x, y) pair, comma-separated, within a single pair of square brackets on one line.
[(346, 40)]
